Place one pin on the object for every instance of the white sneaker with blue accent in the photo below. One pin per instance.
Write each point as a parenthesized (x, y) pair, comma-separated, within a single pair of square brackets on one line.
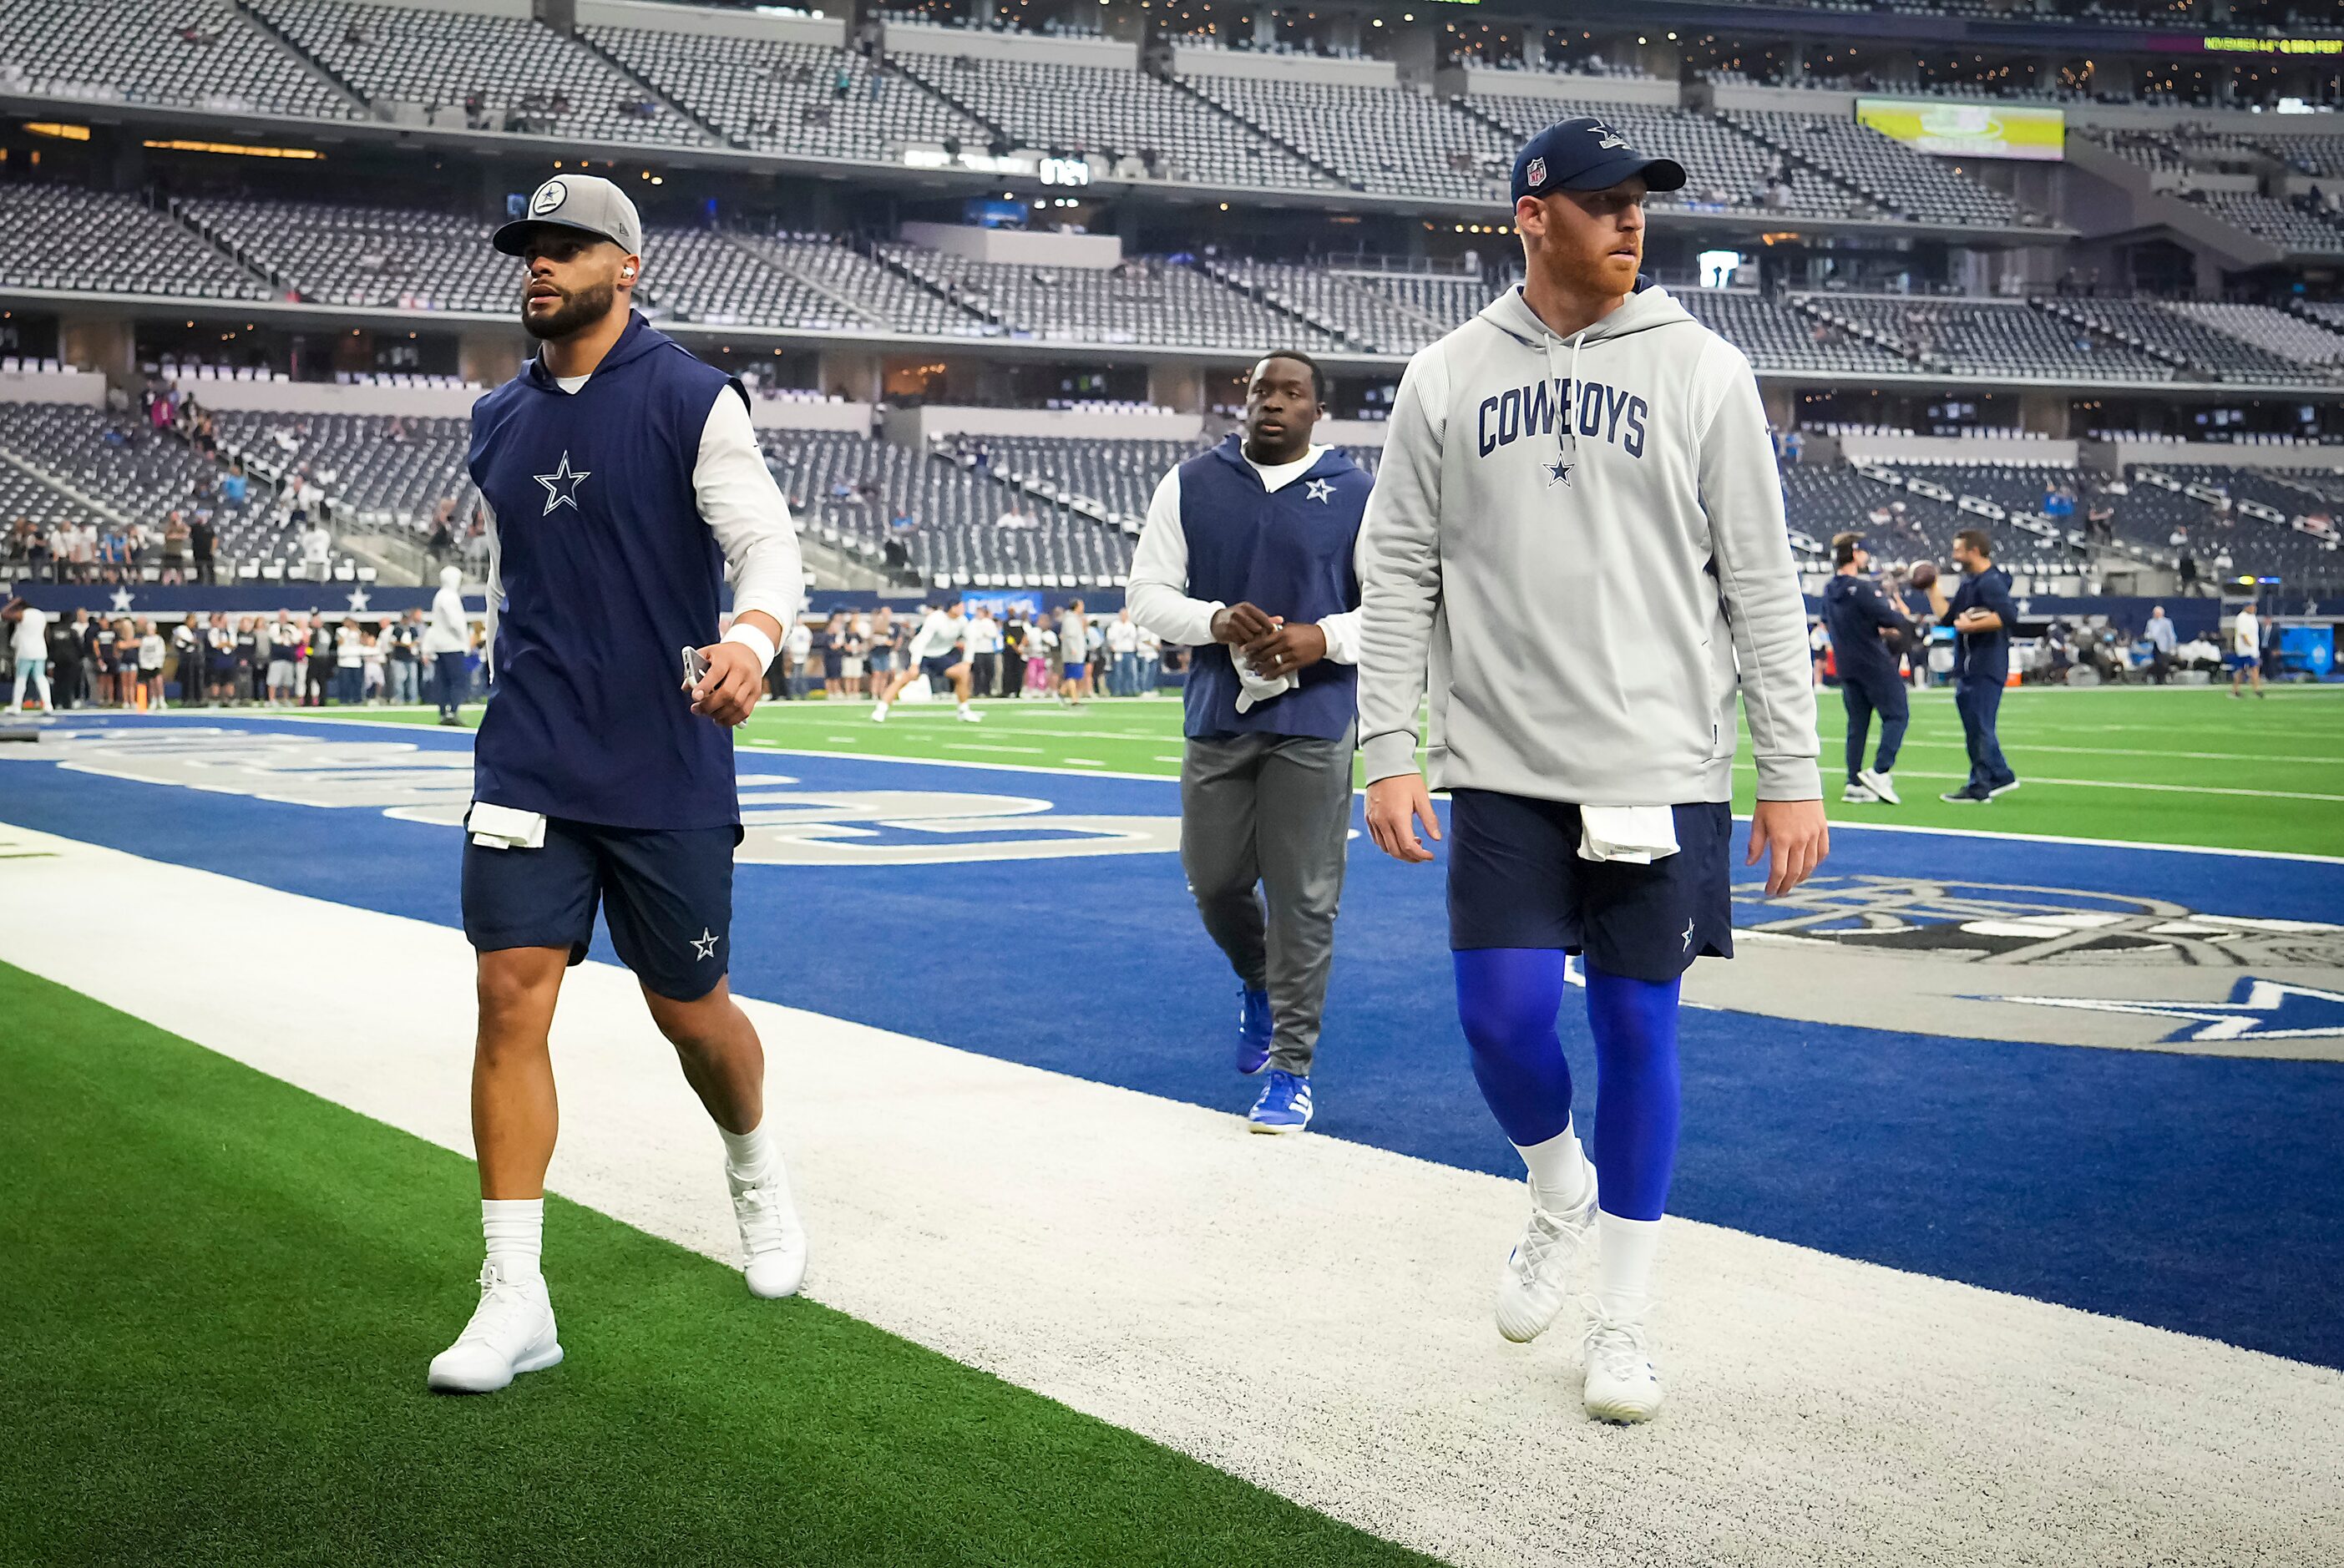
[(512, 1332), (771, 1236), (1623, 1384), (1538, 1276), (1284, 1104)]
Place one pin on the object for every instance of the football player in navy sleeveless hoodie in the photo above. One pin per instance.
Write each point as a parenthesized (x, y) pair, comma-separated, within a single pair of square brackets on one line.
[(1246, 556), (623, 483)]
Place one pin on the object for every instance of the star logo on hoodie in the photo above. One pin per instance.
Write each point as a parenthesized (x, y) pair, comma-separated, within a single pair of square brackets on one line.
[(561, 484), (1322, 491), (1557, 472)]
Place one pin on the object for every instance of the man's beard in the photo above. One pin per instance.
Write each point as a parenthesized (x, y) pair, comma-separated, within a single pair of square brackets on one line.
[(582, 309), (1596, 275)]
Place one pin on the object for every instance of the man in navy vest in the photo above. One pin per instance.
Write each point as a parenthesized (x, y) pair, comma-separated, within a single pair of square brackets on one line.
[(622, 479), (1858, 614), (1246, 557)]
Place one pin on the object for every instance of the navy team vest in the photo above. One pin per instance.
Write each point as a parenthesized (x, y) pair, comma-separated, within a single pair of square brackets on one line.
[(608, 572), (1288, 554)]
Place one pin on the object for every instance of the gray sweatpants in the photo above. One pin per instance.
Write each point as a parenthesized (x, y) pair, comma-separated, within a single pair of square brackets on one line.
[(1272, 811)]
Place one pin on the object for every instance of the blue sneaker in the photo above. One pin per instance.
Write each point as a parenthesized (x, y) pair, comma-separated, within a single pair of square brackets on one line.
[(1284, 1104), (1253, 1031)]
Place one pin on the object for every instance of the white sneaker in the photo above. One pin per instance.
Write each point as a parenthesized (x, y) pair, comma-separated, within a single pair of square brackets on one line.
[(1623, 1384), (1880, 784), (771, 1236), (1536, 1279), (970, 716), (879, 712), (512, 1332), (1856, 795)]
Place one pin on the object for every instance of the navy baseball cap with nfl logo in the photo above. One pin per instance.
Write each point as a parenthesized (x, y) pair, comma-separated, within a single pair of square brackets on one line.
[(1585, 154)]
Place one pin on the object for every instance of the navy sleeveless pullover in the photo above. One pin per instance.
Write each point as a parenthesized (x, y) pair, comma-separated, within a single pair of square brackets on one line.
[(1287, 552), (608, 573)]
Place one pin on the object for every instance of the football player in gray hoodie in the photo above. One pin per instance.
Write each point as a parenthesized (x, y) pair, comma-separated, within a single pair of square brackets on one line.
[(1576, 545)]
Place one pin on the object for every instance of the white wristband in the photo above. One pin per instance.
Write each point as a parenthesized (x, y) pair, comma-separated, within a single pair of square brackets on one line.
[(755, 641)]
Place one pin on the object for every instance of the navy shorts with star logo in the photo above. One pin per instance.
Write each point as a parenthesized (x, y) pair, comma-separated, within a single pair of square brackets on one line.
[(666, 894), (1516, 880)]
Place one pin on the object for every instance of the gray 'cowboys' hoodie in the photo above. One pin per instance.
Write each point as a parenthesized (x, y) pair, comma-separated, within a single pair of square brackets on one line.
[(1584, 537)]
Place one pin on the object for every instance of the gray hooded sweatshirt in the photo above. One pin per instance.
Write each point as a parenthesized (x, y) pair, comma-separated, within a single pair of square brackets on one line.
[(1589, 590)]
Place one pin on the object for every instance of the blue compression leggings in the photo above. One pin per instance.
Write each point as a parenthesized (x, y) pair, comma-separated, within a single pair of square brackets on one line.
[(1508, 999)]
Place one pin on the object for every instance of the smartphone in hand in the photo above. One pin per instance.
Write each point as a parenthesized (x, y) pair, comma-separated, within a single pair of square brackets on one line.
[(695, 668)]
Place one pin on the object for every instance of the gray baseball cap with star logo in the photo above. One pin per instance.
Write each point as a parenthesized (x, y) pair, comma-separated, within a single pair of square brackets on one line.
[(586, 203)]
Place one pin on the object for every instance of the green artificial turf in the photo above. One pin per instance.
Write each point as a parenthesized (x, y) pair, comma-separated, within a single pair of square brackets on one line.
[(219, 1293), (2187, 767)]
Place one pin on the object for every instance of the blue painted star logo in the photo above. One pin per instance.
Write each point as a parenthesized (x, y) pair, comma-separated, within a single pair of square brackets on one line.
[(2257, 1010), (1557, 472), (704, 945), (561, 484), (1321, 491)]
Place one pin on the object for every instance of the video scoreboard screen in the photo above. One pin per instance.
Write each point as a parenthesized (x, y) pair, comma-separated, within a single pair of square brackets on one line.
[(1969, 130)]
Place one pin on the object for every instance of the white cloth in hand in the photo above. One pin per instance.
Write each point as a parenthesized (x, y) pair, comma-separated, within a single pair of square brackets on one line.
[(1636, 835), (1257, 689)]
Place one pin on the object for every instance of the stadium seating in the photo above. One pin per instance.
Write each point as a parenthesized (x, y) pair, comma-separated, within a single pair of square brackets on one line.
[(377, 470), (2207, 351), (850, 488), (886, 296), (808, 100), (1364, 315), (2304, 342), (1383, 140), (505, 73), (121, 468), (1778, 337), (191, 54), (1723, 166), (1894, 177), (1115, 113), (108, 243), (1143, 300), (1990, 337), (363, 255), (705, 276), (2282, 223)]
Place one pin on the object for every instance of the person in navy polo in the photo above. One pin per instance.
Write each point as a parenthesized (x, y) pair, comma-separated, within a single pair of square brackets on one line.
[(622, 483), (1246, 556), (1981, 615)]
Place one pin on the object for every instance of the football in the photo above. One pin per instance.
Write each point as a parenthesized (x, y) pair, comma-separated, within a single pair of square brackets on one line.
[(1924, 574)]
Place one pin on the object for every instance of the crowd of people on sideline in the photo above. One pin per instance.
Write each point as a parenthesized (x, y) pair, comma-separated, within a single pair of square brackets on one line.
[(1012, 652), (219, 659), (291, 660)]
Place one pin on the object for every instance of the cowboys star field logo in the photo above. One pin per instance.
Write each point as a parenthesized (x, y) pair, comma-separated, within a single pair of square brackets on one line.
[(1558, 472), (549, 195), (2014, 961), (1321, 490), (1605, 137)]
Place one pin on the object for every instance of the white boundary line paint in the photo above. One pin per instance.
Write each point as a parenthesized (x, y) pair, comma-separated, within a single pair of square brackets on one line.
[(1110, 1250), (768, 748)]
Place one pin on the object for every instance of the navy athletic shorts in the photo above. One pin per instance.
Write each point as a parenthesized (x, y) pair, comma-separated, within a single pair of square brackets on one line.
[(666, 893), (938, 668), (1516, 880)]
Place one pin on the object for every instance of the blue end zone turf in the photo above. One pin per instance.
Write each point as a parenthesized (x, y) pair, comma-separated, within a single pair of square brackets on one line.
[(2198, 1192)]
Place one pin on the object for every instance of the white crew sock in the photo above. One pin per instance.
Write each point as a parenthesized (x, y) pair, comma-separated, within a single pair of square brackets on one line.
[(747, 1154), (1559, 1171), (514, 1228), (1623, 1270)]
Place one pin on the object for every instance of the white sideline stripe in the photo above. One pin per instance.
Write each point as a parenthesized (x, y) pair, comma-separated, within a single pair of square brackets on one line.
[(1114, 1252)]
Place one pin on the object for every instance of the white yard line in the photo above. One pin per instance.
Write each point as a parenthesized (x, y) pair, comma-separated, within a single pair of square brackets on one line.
[(1116, 1251)]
